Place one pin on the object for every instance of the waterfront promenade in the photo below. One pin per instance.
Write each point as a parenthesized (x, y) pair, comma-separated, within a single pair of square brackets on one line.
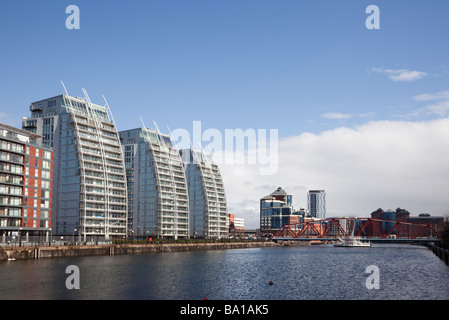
[(38, 252)]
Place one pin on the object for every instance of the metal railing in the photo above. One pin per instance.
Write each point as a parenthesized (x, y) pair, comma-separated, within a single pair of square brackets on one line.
[(33, 241)]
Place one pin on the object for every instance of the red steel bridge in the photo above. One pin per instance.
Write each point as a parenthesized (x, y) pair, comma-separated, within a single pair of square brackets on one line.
[(365, 228)]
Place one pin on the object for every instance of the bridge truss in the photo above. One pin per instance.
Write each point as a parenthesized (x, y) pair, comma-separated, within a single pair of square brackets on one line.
[(368, 228)]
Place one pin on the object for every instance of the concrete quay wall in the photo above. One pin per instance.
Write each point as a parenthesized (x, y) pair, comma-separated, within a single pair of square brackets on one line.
[(18, 253), (442, 253)]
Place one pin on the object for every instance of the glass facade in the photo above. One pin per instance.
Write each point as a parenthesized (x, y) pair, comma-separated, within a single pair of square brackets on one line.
[(158, 200), (316, 202), (276, 210), (208, 208), (274, 214), (90, 179)]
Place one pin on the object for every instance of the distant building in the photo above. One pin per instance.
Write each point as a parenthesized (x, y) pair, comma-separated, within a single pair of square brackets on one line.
[(402, 215), (390, 217), (157, 190), (316, 203), (239, 224), (276, 210), (436, 222), (302, 212), (426, 218), (26, 184), (398, 215), (236, 224), (207, 198)]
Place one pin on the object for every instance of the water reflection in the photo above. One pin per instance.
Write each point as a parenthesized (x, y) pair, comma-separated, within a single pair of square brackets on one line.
[(313, 272)]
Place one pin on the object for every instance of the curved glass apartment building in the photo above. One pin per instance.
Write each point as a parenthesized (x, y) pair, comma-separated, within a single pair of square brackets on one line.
[(207, 198), (89, 175), (157, 191)]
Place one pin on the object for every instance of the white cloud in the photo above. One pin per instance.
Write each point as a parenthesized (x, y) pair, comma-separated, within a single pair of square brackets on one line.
[(386, 164), (336, 115), (440, 107), (432, 96), (332, 115), (403, 75)]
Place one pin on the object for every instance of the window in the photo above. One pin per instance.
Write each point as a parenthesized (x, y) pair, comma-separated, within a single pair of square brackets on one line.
[(46, 164), (14, 212), (16, 169)]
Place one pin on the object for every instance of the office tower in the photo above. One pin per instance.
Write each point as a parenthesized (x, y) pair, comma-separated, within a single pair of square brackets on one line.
[(157, 190), (89, 174), (276, 210), (26, 172), (316, 202), (207, 199)]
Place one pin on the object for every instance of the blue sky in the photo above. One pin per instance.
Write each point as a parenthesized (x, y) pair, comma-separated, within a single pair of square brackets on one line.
[(290, 65), (360, 113)]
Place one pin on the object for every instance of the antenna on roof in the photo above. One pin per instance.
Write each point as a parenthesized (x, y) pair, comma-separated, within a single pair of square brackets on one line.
[(86, 95), (169, 132), (143, 124), (109, 110), (64, 88), (201, 147), (157, 128), (105, 101)]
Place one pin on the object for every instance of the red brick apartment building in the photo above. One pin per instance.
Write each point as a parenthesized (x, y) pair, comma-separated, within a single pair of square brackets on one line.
[(26, 173)]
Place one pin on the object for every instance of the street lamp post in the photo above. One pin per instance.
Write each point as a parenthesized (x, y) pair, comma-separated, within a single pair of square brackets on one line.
[(73, 236)]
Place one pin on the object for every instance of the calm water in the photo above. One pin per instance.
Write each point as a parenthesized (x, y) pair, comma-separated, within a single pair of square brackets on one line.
[(312, 272)]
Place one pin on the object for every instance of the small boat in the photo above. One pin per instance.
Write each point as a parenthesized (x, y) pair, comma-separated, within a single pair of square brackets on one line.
[(351, 242)]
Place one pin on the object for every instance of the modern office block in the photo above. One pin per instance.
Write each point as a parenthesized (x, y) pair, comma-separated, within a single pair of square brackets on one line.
[(316, 202), (236, 224), (26, 172), (157, 190), (89, 175), (276, 210), (207, 198)]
